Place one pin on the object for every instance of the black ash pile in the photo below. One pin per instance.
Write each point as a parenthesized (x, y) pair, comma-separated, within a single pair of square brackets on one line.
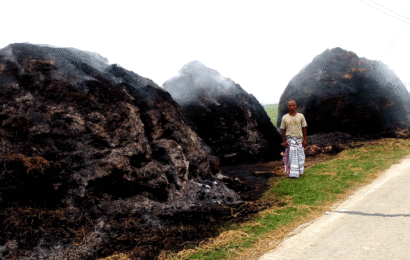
[(94, 159), (340, 92), (335, 142), (229, 120)]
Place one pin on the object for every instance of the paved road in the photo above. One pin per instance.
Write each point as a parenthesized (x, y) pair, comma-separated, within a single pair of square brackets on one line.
[(373, 223)]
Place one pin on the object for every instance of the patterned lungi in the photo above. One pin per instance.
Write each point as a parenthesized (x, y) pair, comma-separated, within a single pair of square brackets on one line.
[(294, 158)]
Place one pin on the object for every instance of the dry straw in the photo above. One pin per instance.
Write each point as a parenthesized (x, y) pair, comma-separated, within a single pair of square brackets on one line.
[(224, 239), (120, 256), (30, 163)]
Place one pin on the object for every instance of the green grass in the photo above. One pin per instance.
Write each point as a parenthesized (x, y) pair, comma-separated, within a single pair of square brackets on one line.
[(321, 184), (267, 223), (272, 111)]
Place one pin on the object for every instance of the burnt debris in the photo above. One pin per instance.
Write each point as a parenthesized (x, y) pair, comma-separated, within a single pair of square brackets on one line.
[(95, 158), (338, 91), (230, 121)]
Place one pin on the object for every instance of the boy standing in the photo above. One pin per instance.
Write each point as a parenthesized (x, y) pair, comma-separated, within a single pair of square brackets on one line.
[(294, 139)]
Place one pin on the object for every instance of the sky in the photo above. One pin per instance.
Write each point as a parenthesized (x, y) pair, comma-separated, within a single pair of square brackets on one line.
[(258, 44)]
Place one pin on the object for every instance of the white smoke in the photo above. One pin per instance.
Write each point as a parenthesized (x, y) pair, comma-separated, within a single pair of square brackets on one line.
[(204, 76), (193, 79), (91, 58)]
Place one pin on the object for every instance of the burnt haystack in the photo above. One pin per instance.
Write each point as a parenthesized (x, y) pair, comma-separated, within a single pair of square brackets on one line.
[(338, 91), (229, 120), (93, 158)]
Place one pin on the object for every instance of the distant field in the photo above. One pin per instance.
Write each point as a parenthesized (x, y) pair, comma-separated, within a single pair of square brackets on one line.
[(272, 111)]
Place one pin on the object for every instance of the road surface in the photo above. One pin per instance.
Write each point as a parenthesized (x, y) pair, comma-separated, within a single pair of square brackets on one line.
[(373, 223)]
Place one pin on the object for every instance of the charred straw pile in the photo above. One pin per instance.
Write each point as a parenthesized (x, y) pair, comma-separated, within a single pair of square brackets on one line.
[(94, 159), (230, 121), (346, 98)]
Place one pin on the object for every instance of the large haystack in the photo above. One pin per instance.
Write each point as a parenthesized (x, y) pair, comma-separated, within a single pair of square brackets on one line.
[(229, 120), (338, 91), (94, 158)]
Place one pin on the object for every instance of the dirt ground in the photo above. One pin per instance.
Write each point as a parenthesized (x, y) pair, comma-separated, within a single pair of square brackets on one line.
[(258, 176)]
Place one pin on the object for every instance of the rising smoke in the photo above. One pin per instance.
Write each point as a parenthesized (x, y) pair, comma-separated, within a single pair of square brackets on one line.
[(193, 79), (69, 59), (230, 121)]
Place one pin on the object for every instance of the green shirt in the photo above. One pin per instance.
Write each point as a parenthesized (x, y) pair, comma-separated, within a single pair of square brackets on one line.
[(293, 124)]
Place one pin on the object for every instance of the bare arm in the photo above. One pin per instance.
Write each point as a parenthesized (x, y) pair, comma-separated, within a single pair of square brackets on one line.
[(304, 142), (285, 143)]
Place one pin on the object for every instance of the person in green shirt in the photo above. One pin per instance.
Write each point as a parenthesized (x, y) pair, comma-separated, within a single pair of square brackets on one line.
[(294, 136)]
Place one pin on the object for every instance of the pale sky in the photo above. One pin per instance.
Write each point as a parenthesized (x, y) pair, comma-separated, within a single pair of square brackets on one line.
[(260, 45)]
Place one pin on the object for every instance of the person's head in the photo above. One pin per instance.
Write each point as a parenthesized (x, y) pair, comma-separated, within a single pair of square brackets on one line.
[(292, 106)]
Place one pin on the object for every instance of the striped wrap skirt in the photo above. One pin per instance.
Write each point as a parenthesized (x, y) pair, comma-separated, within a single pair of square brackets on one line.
[(294, 157)]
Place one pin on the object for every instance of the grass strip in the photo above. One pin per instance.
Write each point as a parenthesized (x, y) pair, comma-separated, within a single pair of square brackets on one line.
[(304, 199)]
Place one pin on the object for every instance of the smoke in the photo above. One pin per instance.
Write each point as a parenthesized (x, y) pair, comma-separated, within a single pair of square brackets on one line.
[(194, 80), (205, 76), (386, 76), (206, 148), (92, 59), (78, 66)]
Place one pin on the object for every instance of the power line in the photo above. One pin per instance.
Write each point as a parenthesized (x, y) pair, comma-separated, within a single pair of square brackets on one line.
[(407, 20), (390, 10), (404, 21), (394, 39)]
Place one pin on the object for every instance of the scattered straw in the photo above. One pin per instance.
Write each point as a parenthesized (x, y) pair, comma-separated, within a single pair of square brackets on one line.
[(224, 239), (30, 163), (120, 256)]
